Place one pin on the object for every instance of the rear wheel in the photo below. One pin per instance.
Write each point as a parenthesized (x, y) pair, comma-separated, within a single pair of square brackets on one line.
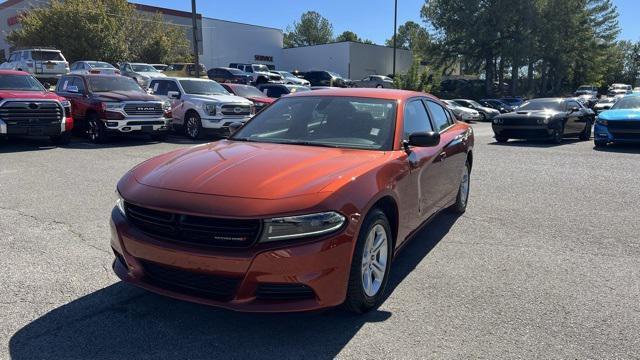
[(193, 126), (460, 206), (370, 264), (483, 117), (96, 130), (378, 86)]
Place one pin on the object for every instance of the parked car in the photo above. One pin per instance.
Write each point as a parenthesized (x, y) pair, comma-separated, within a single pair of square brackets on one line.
[(486, 113), (28, 109), (160, 67), (618, 93), (46, 64), (259, 99), (462, 113), (229, 75), (304, 207), (636, 90), (141, 73), (325, 78), (588, 100), (108, 105), (261, 73), (291, 79), (513, 101), (545, 118), (202, 106), (604, 104), (93, 67), (496, 104), (375, 81), (617, 86), (620, 124), (279, 90), (185, 70), (587, 90)]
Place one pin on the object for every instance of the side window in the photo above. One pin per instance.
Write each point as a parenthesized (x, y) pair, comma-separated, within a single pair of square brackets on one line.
[(172, 86), (439, 115), (63, 83), (416, 118), (572, 104), (275, 92), (79, 83), (159, 87), (25, 55)]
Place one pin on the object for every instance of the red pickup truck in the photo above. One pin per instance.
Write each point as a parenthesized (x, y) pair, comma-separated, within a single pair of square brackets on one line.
[(28, 109)]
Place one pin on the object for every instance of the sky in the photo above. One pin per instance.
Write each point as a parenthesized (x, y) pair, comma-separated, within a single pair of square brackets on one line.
[(370, 19)]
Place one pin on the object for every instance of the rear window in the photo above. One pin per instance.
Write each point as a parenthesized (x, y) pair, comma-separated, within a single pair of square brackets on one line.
[(20, 82), (47, 55)]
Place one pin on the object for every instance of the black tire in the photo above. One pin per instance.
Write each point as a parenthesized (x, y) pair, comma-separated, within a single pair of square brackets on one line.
[(261, 80), (483, 117), (62, 139), (193, 126), (502, 139), (159, 136), (600, 143), (460, 206), (378, 86), (558, 135), (96, 130), (357, 300), (586, 134)]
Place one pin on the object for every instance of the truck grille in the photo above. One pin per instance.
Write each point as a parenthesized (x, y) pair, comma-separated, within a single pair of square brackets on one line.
[(148, 109), (194, 230), (184, 281), (25, 113), (239, 110)]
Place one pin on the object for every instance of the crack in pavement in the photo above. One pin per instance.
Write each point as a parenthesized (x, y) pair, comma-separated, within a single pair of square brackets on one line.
[(65, 226)]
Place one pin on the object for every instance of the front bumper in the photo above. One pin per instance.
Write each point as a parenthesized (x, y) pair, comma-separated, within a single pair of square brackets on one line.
[(603, 133), (469, 117), (217, 123), (529, 132), (137, 125), (31, 130), (321, 265)]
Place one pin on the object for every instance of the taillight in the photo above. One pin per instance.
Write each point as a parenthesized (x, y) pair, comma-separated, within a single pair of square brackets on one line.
[(29, 64), (68, 123)]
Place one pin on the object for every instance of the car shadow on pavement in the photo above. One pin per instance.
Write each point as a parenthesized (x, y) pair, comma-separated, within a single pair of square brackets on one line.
[(620, 148), (124, 322), (536, 143), (16, 145)]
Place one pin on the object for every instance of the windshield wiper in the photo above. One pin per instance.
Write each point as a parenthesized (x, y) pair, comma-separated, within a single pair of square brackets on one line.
[(307, 143)]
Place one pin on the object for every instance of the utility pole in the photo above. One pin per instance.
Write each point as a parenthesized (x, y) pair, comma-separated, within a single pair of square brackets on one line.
[(395, 25), (194, 19)]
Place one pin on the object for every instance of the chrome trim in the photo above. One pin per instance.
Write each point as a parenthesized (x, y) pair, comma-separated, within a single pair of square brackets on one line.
[(3, 127)]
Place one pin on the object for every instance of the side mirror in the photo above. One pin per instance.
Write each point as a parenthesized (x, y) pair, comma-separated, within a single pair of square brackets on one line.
[(72, 89), (234, 126), (173, 95), (424, 139)]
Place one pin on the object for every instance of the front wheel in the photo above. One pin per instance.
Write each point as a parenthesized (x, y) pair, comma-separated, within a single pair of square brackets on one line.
[(96, 130), (586, 134), (460, 206), (370, 264), (558, 135), (193, 126), (378, 86)]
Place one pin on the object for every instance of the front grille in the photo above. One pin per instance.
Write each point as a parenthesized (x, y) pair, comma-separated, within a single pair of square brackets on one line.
[(284, 292), (27, 113), (158, 122), (191, 283), (240, 110), (519, 121), (624, 125), (524, 134), (275, 78), (625, 136), (148, 109), (194, 230)]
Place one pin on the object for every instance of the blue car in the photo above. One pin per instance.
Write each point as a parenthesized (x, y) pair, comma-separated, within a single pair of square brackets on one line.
[(620, 124)]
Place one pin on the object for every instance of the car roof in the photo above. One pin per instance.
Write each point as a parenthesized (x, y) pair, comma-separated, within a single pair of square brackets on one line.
[(387, 94), (181, 78), (13, 72), (97, 76)]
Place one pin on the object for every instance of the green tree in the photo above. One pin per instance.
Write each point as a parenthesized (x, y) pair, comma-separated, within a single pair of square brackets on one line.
[(411, 36), (312, 29), (107, 30), (348, 36)]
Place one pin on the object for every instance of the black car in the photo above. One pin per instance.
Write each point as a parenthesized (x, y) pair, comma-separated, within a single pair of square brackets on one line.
[(546, 118), (278, 90), (496, 104), (229, 75), (325, 78)]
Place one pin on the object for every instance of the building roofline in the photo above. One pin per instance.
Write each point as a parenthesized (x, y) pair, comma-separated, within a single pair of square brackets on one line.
[(242, 23), (165, 11), (346, 41)]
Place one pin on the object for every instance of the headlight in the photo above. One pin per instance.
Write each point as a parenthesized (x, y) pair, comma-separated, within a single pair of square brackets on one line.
[(119, 202), (66, 105), (111, 106), (543, 121), (601, 122), (210, 108), (166, 106), (295, 227)]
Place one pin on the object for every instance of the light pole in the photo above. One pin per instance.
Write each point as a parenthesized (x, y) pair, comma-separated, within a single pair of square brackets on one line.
[(395, 25), (194, 19)]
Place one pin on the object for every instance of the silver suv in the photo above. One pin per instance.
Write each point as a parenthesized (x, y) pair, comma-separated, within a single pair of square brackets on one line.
[(46, 64)]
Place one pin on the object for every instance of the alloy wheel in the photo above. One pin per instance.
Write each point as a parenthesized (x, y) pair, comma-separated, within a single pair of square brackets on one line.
[(374, 260), (464, 187), (192, 127)]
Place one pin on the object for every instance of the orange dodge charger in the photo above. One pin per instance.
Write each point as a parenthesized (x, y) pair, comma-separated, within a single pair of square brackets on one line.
[(304, 207)]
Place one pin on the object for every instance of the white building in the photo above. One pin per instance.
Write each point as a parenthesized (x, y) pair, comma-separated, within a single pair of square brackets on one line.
[(350, 59)]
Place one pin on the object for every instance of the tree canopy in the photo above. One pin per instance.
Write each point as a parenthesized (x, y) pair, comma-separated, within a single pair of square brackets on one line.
[(312, 29), (107, 30)]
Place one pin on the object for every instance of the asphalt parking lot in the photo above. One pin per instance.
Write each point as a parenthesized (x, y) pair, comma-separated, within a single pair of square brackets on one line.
[(544, 264)]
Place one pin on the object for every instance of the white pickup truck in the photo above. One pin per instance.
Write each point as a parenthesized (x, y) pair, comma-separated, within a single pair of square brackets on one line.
[(202, 106)]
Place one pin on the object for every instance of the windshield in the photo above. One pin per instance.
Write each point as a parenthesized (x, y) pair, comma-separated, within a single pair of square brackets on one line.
[(203, 87), (247, 91), (547, 104), (343, 122), (143, 68), (286, 74), (607, 101), (20, 82), (585, 88), (113, 83), (262, 68), (47, 55), (237, 72), (334, 74), (100, 65), (627, 102)]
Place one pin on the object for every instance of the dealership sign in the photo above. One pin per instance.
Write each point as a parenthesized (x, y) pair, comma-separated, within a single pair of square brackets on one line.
[(263, 58)]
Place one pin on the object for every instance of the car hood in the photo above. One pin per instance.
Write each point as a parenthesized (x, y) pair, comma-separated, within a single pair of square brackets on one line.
[(266, 100), (253, 170), (465, 110), (219, 98), (123, 96), (41, 95), (620, 114), (488, 109), (529, 113), (151, 74)]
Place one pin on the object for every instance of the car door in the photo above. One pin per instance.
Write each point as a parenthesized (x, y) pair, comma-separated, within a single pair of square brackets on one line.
[(177, 105), (575, 122), (66, 87), (452, 156), (422, 199)]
